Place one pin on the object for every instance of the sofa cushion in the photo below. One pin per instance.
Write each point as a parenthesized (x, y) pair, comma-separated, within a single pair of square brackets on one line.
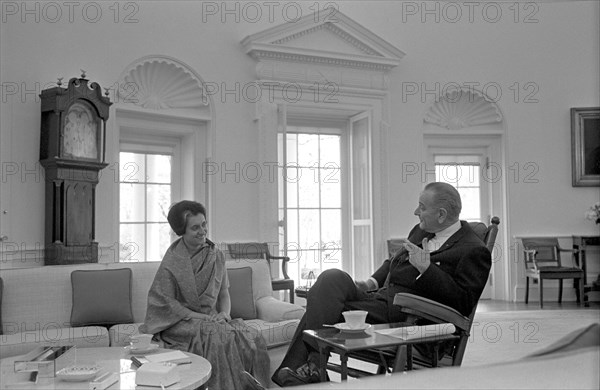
[(120, 334), (51, 334), (261, 276), (272, 309), (240, 287), (101, 297)]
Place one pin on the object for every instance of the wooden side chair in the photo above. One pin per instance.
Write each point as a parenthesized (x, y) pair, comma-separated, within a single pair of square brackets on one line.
[(542, 261), (260, 250)]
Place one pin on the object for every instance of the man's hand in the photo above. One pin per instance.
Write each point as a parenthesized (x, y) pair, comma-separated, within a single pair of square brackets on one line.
[(419, 258), (365, 285)]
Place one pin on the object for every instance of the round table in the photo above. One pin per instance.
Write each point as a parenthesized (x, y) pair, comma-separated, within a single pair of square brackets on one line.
[(114, 359)]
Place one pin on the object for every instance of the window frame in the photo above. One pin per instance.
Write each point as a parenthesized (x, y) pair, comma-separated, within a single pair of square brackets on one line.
[(152, 144)]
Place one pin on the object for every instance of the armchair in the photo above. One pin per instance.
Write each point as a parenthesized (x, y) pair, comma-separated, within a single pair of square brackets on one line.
[(419, 310), (260, 250)]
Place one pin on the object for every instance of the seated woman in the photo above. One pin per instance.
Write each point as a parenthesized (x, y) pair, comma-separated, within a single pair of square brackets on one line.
[(189, 305)]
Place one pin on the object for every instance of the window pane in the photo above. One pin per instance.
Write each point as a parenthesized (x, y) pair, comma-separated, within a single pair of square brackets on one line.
[(131, 242), (131, 202), (331, 228), (309, 229), (308, 191), (331, 188), (158, 239), (158, 202), (159, 168), (308, 150), (132, 167), (291, 180), (470, 203), (330, 149), (469, 176)]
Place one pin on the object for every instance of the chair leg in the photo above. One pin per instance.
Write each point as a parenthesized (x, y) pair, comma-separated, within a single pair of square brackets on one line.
[(560, 287), (541, 286), (580, 291), (291, 295), (526, 290)]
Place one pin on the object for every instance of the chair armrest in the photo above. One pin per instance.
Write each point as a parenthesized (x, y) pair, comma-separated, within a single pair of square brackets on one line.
[(273, 310), (285, 259), (431, 310), (567, 250)]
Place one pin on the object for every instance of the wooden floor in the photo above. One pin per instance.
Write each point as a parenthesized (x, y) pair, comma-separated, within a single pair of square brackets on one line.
[(493, 305)]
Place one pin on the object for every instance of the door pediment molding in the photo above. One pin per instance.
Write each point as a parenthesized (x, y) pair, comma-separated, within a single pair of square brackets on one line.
[(323, 47)]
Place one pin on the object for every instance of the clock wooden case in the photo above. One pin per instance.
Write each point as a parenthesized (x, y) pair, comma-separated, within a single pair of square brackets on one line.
[(73, 132)]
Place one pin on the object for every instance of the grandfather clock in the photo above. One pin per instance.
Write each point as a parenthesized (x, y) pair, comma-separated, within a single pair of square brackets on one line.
[(73, 132)]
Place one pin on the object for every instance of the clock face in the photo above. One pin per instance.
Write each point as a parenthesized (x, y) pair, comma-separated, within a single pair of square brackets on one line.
[(80, 132)]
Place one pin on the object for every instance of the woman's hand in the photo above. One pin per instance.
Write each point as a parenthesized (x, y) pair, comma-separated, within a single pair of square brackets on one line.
[(220, 317)]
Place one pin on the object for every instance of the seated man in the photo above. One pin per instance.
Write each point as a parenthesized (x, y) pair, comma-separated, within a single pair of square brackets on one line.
[(443, 260)]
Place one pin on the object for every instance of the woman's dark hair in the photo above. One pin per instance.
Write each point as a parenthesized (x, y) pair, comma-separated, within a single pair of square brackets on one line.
[(179, 213)]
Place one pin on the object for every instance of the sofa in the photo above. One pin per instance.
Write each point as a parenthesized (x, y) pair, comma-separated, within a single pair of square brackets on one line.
[(38, 306)]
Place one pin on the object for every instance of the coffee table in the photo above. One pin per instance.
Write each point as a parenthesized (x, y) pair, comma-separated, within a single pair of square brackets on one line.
[(114, 359), (333, 340)]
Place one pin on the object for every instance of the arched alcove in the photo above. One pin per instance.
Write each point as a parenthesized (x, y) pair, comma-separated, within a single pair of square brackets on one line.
[(463, 108)]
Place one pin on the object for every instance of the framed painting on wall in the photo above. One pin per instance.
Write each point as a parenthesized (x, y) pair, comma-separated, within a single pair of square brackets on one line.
[(585, 146)]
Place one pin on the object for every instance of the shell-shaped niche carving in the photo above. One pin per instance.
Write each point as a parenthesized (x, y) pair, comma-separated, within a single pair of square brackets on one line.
[(160, 85), (463, 108)]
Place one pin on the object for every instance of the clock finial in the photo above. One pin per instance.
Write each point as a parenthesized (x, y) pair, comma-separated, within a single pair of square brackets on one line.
[(82, 73), (59, 82), (107, 91)]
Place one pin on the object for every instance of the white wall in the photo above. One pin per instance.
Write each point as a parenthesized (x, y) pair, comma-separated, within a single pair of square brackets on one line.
[(559, 55)]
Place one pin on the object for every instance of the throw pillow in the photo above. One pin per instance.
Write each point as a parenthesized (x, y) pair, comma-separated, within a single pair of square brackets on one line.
[(240, 291), (101, 297)]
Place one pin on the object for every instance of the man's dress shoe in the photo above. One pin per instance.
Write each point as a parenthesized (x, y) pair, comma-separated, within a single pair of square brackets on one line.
[(288, 377)]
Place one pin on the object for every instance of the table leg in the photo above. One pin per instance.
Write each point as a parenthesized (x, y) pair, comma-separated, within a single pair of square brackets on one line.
[(323, 355), (344, 361), (401, 358)]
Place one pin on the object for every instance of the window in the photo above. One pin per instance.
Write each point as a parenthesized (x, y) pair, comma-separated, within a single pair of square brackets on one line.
[(310, 200), (146, 180), (464, 173)]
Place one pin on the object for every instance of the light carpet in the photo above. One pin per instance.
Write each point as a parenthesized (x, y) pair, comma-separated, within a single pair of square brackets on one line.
[(510, 335)]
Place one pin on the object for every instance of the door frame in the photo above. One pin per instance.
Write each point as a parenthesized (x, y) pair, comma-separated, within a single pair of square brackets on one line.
[(493, 174)]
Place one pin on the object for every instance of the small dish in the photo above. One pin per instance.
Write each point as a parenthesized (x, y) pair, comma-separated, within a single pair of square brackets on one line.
[(138, 351), (78, 373), (344, 327)]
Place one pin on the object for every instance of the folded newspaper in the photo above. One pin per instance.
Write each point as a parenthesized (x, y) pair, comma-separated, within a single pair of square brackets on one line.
[(417, 332)]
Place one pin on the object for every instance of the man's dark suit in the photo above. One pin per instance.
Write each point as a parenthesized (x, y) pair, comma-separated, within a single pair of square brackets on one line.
[(456, 277)]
